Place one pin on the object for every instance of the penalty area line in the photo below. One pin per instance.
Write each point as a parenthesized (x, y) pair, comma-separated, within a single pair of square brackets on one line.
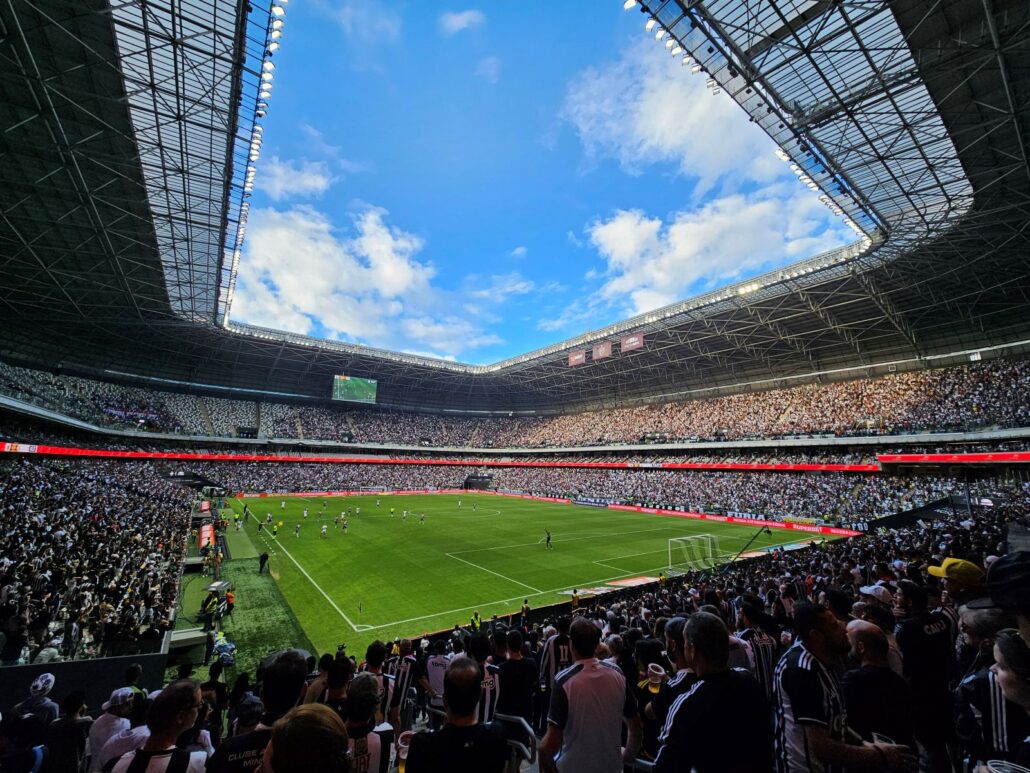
[(496, 574), (318, 587)]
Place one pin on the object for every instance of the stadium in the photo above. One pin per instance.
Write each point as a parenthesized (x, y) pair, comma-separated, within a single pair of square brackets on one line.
[(781, 523)]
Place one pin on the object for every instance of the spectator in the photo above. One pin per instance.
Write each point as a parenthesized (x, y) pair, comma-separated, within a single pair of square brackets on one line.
[(723, 719), (519, 678), (21, 745), (1012, 669), (38, 704), (879, 701), (590, 700), (66, 735), (927, 651), (114, 720), (1008, 585), (463, 743), (370, 750), (173, 711), (282, 688), (811, 734), (307, 738)]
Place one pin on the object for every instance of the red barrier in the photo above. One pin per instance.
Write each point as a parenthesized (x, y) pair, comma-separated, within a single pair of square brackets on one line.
[(1021, 457), (826, 530)]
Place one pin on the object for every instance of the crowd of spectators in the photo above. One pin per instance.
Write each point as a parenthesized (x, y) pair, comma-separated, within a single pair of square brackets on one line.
[(962, 398), (900, 650), (90, 558)]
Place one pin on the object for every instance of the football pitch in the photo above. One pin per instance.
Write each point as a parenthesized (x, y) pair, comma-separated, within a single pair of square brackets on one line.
[(387, 577)]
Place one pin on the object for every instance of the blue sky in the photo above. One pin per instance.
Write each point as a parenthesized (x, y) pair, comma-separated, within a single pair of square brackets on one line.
[(475, 181)]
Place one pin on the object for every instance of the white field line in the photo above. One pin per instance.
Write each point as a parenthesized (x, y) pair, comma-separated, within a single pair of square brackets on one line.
[(340, 612), (491, 571)]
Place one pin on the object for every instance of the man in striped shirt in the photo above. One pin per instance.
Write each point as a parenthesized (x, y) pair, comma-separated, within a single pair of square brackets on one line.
[(480, 649), (555, 657), (763, 646), (375, 656), (811, 732), (402, 668), (431, 679)]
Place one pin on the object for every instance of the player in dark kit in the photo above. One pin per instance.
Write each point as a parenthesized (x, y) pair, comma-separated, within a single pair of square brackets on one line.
[(548, 546)]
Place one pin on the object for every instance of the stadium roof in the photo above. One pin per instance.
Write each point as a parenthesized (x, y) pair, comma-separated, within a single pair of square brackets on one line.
[(128, 131)]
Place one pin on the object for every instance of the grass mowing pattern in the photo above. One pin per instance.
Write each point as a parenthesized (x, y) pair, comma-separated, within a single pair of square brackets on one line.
[(387, 577)]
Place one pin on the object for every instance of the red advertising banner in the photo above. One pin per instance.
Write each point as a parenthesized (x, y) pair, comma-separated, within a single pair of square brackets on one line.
[(1008, 456), (602, 350), (631, 342), (205, 506), (206, 536), (577, 358)]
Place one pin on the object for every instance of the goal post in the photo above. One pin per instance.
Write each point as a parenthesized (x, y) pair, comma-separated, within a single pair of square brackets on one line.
[(699, 551)]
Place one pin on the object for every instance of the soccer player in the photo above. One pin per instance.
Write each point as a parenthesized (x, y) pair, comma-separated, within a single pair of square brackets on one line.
[(474, 505), (377, 501), (325, 530), (459, 504), (268, 518), (403, 514), (421, 519), (296, 531), (391, 512), (405, 517), (344, 525), (275, 530), (548, 546), (357, 510), (305, 513), (336, 522)]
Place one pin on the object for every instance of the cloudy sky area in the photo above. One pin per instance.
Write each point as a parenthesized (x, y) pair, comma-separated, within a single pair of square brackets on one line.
[(473, 182)]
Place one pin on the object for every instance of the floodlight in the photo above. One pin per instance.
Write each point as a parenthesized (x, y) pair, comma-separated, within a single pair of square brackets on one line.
[(670, 42), (677, 51), (628, 5), (278, 11), (276, 34), (659, 34), (686, 60), (695, 69), (273, 47), (277, 24), (267, 66), (650, 24)]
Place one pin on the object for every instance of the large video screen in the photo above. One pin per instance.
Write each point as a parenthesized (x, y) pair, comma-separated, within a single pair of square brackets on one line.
[(354, 389)]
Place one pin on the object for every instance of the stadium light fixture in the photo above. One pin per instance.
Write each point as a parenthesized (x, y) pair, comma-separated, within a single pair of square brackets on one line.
[(629, 5), (659, 34), (275, 34), (677, 50), (278, 11), (273, 47), (686, 60), (277, 24), (267, 66), (695, 69), (670, 42), (650, 24)]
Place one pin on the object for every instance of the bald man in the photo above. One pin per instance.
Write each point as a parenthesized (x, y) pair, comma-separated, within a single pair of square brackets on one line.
[(879, 700)]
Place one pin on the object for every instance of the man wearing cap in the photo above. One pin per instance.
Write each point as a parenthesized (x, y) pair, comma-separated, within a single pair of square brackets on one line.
[(879, 594), (1008, 585), (114, 719), (38, 703), (963, 580)]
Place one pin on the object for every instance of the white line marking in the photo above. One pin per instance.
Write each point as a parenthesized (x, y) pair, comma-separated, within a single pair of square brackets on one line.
[(310, 579), (607, 535), (491, 571)]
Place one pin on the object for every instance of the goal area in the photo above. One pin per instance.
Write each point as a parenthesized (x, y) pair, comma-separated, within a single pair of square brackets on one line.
[(697, 552)]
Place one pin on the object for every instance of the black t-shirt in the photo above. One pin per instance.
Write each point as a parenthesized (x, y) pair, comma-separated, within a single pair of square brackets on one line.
[(480, 748), (879, 701), (240, 753), (720, 717), (927, 655), (518, 686)]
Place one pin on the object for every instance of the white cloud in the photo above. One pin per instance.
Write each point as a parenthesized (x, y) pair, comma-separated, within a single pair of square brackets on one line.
[(318, 144), (489, 69), (501, 287), (645, 109), (364, 20), (518, 252), (367, 285), (285, 179), (651, 262), (453, 23)]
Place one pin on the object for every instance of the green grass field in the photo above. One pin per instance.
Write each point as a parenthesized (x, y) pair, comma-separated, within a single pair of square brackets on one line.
[(387, 577)]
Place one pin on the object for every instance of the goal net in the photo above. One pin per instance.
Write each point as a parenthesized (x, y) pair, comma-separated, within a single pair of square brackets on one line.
[(700, 551)]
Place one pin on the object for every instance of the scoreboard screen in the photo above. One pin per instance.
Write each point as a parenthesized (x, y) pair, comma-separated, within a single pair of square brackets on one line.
[(354, 389)]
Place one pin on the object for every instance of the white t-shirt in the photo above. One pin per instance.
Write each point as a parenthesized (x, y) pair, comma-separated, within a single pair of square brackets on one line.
[(159, 762), (103, 730)]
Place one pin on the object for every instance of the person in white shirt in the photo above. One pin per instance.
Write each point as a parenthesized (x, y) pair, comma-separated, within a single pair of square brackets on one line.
[(114, 719), (173, 711)]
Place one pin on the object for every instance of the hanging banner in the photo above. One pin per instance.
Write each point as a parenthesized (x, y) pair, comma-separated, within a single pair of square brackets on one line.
[(577, 358), (631, 342), (602, 350)]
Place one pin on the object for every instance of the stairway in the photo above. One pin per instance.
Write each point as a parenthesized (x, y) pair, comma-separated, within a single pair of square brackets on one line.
[(205, 414), (298, 425), (257, 418)]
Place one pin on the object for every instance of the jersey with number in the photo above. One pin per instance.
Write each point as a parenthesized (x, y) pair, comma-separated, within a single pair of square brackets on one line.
[(368, 753), (402, 669), (557, 657), (763, 648), (435, 668)]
